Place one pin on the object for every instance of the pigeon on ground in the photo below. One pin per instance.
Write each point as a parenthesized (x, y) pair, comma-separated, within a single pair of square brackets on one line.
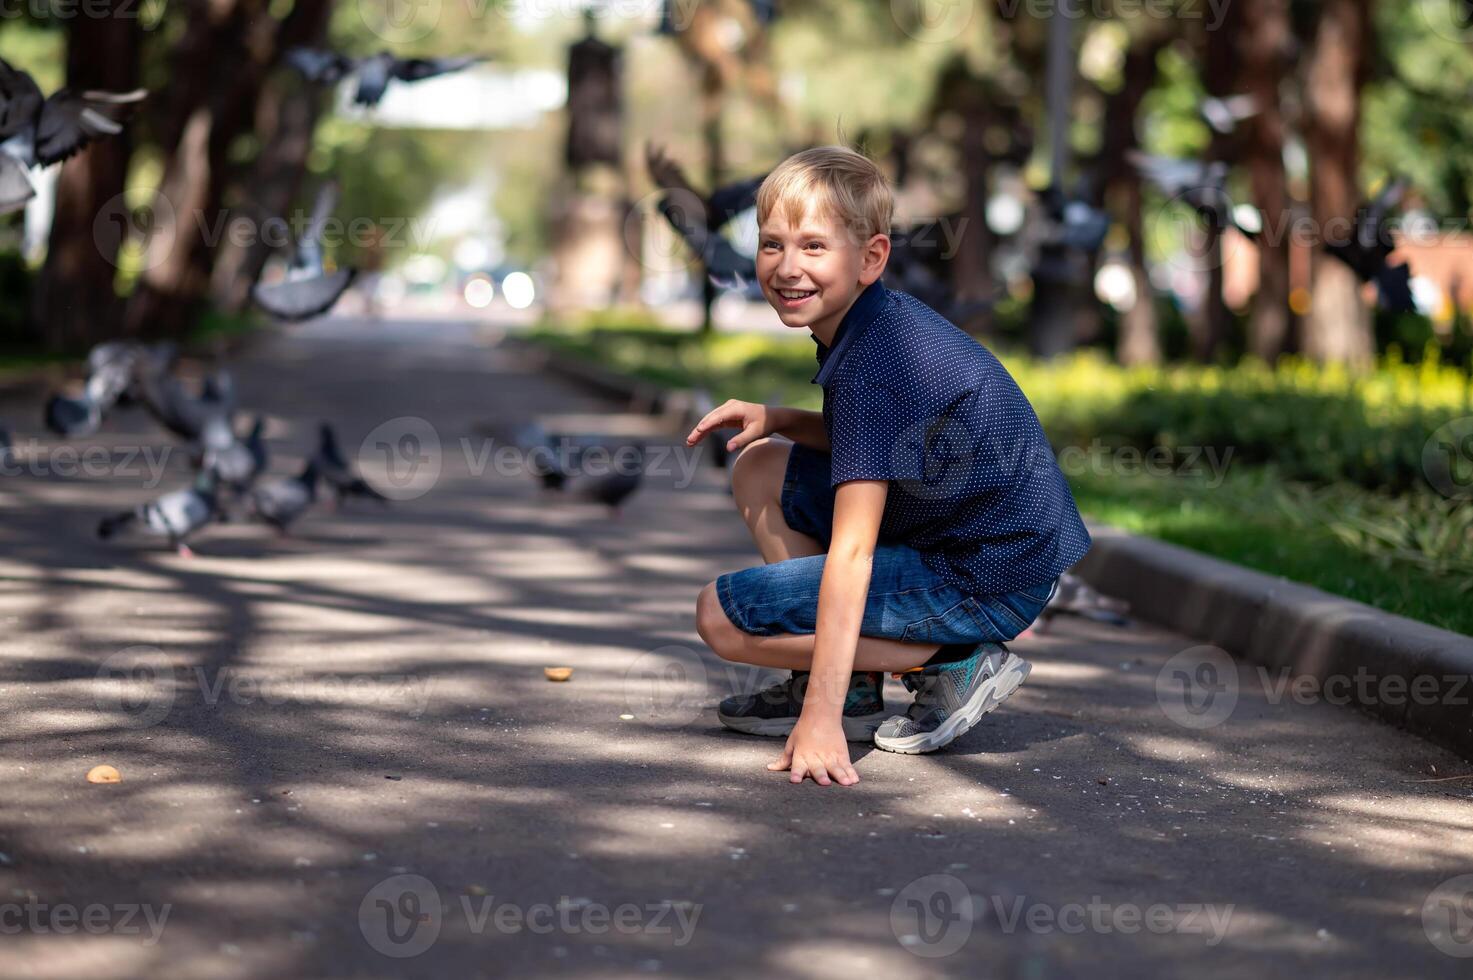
[(236, 462), (109, 378), (308, 288), (1371, 244), (280, 502), (7, 450), (37, 131), (1224, 114), (1075, 597), (338, 472), (615, 488), (184, 414), (546, 455), (374, 72), (175, 515)]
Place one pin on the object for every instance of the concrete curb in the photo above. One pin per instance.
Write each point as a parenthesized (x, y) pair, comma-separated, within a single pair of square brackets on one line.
[(1418, 677), (1403, 671)]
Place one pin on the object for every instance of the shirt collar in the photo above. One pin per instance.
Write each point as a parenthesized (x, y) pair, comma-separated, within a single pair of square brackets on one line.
[(861, 314)]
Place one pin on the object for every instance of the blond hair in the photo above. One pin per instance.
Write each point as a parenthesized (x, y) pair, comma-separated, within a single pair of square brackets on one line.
[(838, 182)]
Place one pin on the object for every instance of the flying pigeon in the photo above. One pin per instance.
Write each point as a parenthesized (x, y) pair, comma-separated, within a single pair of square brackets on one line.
[(37, 131), (1371, 244), (699, 219), (723, 204), (109, 377), (308, 288), (374, 72), (280, 502), (1224, 114), (176, 515), (338, 472), (1200, 184)]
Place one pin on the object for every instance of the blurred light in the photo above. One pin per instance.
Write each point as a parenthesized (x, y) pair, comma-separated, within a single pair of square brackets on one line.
[(1115, 284), (1428, 297), (1248, 218), (518, 290), (472, 253), (1005, 214), (424, 270), (1299, 301), (479, 292)]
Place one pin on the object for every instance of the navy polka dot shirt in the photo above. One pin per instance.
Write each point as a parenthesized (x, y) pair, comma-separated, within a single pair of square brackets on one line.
[(974, 486)]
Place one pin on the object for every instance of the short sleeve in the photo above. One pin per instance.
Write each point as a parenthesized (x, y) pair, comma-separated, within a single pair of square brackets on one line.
[(874, 435)]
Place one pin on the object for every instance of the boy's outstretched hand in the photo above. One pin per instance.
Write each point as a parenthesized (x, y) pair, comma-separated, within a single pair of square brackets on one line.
[(819, 750), (754, 420)]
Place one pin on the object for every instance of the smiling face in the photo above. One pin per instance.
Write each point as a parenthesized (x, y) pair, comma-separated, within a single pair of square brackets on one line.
[(813, 269)]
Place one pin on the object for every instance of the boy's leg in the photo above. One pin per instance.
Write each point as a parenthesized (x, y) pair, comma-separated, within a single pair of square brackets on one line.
[(757, 477)]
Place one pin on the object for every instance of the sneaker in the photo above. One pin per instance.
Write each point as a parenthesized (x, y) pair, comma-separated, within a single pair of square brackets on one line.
[(774, 711), (951, 698)]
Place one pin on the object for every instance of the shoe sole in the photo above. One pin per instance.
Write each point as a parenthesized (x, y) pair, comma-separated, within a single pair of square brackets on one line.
[(856, 728), (989, 694)]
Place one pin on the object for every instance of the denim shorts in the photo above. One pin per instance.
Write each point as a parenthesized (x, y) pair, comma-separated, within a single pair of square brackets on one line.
[(907, 600)]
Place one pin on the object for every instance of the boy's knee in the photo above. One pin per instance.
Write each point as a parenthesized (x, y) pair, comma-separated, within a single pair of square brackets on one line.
[(711, 621), (758, 471)]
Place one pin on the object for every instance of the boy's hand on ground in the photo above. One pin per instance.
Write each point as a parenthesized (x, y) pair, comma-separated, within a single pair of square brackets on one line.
[(754, 420), (819, 750)]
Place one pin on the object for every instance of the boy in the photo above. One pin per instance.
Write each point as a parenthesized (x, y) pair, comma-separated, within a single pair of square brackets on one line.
[(912, 526)]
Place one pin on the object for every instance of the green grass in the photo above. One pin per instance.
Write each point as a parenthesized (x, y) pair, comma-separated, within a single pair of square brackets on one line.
[(1409, 552)]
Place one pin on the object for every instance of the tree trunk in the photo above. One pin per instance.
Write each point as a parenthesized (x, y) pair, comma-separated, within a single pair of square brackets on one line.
[(1210, 327), (1264, 47), (217, 71), (1338, 327), (76, 304)]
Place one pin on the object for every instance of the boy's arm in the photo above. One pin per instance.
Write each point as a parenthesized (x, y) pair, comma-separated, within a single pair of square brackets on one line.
[(804, 428), (817, 746)]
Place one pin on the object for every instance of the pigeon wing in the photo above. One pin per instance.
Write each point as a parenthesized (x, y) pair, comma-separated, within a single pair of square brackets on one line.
[(20, 100), (70, 120), (414, 69), (316, 65)]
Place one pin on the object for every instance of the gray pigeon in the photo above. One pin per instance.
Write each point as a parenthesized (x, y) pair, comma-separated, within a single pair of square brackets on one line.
[(308, 288), (280, 502), (7, 451), (1198, 183), (237, 463), (338, 472), (1076, 597), (615, 488), (109, 377), (37, 131), (175, 515), (374, 72)]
